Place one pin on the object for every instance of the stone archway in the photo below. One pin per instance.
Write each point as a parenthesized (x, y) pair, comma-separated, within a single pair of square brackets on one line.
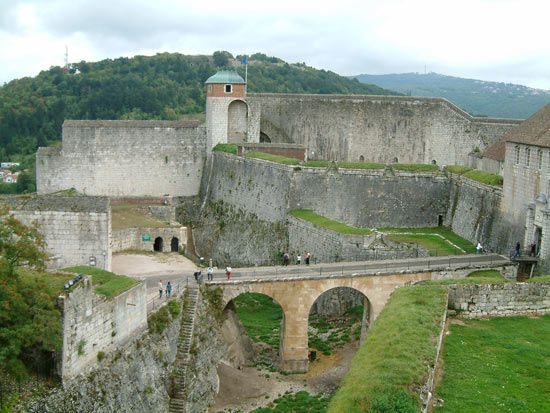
[(237, 121), (264, 138), (252, 321), (175, 244), (158, 245)]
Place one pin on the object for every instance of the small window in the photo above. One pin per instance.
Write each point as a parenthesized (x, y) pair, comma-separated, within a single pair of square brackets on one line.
[(528, 156), (361, 158), (517, 155), (209, 88), (228, 88), (539, 157)]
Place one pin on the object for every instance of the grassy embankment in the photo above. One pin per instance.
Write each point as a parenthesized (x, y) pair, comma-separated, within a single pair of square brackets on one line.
[(301, 402), (497, 365), (391, 366), (476, 175), (475, 277), (133, 216), (438, 241), (105, 283)]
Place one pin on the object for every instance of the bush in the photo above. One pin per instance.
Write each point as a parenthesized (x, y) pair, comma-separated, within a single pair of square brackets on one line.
[(100, 356), (157, 322), (174, 307)]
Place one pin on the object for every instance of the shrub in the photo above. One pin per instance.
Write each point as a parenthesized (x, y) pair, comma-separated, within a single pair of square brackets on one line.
[(80, 349), (100, 356), (157, 322), (174, 307)]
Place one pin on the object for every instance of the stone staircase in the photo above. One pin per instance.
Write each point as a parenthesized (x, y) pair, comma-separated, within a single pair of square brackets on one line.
[(179, 373)]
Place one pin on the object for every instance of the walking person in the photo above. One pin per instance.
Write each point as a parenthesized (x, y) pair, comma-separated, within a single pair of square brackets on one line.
[(228, 272), (210, 273), (168, 290), (299, 259), (160, 289), (286, 259), (308, 257), (479, 248), (518, 250)]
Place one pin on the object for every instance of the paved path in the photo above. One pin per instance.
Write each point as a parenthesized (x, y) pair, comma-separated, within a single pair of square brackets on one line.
[(363, 267)]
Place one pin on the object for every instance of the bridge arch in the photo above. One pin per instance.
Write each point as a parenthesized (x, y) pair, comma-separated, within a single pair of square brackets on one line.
[(339, 301)]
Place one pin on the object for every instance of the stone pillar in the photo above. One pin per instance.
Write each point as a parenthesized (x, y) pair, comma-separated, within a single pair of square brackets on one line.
[(294, 341), (529, 225)]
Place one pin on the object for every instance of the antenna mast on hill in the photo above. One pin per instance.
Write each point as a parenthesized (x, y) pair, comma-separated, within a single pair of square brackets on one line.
[(66, 67)]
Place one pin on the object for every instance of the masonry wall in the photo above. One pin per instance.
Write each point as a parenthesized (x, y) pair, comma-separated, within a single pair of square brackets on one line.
[(91, 323), (125, 158), (491, 300), (77, 230), (379, 128), (132, 238)]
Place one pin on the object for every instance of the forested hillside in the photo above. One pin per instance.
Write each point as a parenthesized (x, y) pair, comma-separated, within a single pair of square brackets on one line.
[(165, 86), (478, 97)]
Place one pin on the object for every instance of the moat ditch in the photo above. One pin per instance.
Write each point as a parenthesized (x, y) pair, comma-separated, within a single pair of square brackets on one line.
[(334, 333)]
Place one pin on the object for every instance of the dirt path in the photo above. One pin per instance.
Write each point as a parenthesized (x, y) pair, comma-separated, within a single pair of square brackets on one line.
[(250, 388)]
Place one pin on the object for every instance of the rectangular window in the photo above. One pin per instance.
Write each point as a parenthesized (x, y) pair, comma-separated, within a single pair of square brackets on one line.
[(528, 156), (228, 89), (539, 156), (517, 155)]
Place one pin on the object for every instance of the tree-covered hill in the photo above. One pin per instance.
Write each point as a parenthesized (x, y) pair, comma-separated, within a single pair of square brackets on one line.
[(166, 86), (478, 97)]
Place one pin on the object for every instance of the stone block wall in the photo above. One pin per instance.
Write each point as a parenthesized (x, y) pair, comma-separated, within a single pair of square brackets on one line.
[(131, 238), (489, 300), (378, 128), (125, 158), (77, 230), (92, 323)]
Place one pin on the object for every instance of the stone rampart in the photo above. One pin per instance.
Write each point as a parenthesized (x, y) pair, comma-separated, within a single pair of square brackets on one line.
[(77, 230), (376, 128), (125, 158), (92, 323), (489, 300)]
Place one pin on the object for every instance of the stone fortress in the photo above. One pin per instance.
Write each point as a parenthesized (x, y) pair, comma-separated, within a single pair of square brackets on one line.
[(239, 206)]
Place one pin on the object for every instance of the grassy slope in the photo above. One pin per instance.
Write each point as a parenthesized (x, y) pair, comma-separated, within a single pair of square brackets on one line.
[(133, 216), (435, 245), (511, 360), (398, 349), (105, 283), (475, 277), (327, 223)]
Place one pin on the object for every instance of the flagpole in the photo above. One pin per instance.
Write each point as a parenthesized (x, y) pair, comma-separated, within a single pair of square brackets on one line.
[(246, 75)]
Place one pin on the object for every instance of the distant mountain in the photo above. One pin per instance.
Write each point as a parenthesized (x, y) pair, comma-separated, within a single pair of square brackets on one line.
[(478, 97)]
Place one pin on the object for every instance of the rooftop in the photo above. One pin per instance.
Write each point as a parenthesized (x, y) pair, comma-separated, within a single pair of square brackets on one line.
[(533, 131), (226, 76)]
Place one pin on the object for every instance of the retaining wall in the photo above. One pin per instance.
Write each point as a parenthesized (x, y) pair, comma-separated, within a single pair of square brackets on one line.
[(92, 323), (488, 300), (132, 238)]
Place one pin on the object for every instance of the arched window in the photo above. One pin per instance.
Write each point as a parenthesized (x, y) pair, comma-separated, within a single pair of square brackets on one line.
[(361, 158)]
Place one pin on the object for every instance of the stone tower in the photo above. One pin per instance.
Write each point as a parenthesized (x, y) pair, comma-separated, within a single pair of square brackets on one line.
[(226, 109)]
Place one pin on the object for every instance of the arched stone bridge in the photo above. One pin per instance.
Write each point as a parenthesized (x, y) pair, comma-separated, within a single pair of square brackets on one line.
[(297, 288)]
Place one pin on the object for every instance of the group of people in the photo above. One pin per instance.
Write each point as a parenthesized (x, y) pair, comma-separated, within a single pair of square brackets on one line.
[(167, 292), (210, 274), (286, 258)]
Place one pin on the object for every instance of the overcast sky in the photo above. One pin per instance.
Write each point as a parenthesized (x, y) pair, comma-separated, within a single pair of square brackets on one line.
[(498, 40)]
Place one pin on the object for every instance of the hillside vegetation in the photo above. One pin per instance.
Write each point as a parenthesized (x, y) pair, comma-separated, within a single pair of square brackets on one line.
[(478, 97), (166, 86)]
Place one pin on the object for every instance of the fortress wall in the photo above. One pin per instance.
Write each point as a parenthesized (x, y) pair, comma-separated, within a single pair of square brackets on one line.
[(259, 187), (379, 128), (74, 228), (131, 238), (371, 199), (91, 324), (125, 158), (498, 300), (475, 214)]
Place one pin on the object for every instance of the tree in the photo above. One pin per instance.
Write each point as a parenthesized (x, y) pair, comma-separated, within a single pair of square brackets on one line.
[(221, 58), (19, 244)]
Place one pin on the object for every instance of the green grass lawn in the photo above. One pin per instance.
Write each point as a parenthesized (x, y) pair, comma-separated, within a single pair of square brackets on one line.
[(133, 216), (540, 279), (415, 167), (53, 283), (394, 359), (457, 169), (226, 147), (261, 317), (105, 282), (300, 402), (484, 177), (327, 223), (273, 158), (430, 239), (497, 365)]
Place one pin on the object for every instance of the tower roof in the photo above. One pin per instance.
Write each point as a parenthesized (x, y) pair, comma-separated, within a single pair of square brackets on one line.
[(226, 76)]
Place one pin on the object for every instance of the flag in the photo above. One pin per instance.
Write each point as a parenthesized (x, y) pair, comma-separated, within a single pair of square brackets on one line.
[(244, 60)]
